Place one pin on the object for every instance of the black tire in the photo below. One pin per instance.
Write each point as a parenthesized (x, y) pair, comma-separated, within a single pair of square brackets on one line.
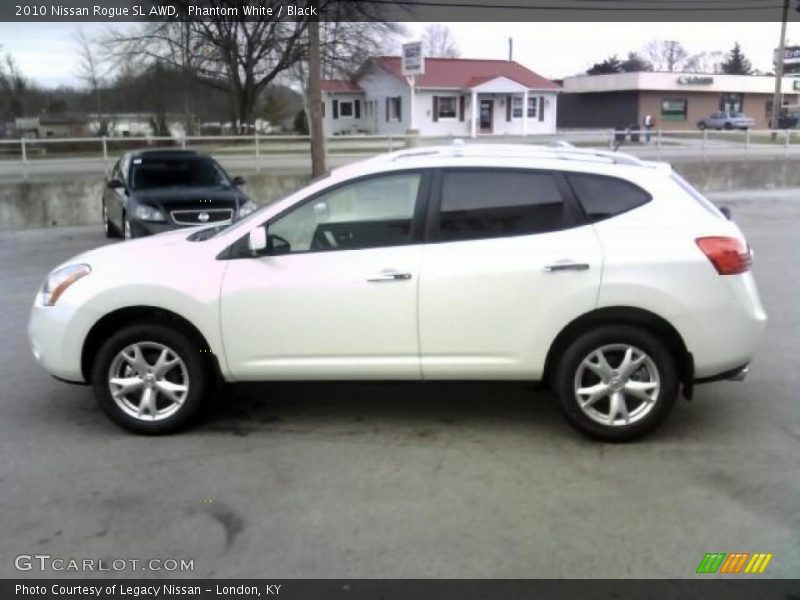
[(701, 126), (728, 126), (567, 370), (182, 346), (111, 230)]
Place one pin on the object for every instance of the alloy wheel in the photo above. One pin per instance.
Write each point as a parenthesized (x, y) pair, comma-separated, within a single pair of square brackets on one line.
[(617, 385), (148, 381)]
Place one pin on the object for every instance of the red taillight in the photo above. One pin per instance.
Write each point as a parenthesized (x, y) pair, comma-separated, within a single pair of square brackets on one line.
[(728, 255)]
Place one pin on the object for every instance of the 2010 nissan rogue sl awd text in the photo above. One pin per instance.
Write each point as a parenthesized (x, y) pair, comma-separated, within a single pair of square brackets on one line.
[(607, 277)]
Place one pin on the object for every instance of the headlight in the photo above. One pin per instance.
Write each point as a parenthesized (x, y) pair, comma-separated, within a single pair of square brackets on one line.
[(247, 208), (60, 279), (147, 213)]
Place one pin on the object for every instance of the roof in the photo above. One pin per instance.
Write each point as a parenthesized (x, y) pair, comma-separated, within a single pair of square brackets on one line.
[(674, 82), (464, 73), (339, 85), (163, 153)]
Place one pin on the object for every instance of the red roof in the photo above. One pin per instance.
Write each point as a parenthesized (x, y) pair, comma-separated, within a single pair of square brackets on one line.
[(462, 73), (339, 85)]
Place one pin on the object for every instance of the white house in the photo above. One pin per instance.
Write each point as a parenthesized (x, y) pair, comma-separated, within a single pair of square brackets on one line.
[(455, 96)]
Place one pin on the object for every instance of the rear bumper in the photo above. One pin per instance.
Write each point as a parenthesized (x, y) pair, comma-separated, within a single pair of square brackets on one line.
[(737, 374)]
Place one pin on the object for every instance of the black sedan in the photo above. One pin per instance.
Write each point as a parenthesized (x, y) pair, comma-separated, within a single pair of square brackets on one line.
[(151, 191)]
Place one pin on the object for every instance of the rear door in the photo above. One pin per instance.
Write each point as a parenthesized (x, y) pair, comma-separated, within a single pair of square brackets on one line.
[(510, 260)]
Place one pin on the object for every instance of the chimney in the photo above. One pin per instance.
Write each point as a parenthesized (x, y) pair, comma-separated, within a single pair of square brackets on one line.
[(510, 49)]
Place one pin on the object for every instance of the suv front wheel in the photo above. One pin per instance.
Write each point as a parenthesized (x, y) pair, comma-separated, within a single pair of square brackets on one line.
[(149, 378), (616, 383)]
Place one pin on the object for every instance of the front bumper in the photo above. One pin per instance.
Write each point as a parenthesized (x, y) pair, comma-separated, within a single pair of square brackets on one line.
[(56, 335)]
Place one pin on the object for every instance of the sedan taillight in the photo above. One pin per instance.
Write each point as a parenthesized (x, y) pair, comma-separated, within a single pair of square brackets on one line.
[(729, 255)]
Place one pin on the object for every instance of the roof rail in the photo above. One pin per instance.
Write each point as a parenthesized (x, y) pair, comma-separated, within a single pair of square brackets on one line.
[(562, 151)]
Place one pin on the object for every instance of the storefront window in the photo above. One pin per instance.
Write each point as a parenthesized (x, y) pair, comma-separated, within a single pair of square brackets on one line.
[(673, 110), (731, 102)]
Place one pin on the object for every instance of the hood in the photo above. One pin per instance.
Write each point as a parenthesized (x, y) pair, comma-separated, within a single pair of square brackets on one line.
[(139, 249), (191, 197)]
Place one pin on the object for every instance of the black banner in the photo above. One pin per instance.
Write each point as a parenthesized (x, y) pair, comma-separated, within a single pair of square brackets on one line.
[(585, 589), (396, 10)]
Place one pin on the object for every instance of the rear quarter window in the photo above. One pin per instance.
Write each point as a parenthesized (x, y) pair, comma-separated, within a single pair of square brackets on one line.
[(603, 197)]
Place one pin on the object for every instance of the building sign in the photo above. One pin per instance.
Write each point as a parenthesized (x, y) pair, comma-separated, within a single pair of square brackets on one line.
[(413, 60), (695, 80), (791, 55)]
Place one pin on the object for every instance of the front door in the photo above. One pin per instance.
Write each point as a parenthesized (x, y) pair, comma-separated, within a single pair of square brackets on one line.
[(335, 294), (487, 109)]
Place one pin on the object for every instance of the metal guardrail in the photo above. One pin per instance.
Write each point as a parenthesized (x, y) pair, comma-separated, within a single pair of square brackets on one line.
[(652, 143)]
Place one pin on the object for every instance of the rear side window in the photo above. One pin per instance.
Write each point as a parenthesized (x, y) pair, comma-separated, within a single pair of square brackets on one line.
[(603, 197), (486, 203)]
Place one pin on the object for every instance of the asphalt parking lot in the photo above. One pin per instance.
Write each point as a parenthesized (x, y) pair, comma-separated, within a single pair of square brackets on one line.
[(406, 480)]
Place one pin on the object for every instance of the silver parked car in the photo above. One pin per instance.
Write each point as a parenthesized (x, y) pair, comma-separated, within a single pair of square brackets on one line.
[(727, 120)]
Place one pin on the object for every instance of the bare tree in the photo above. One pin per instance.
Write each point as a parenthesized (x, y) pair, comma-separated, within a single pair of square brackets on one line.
[(666, 55), (92, 70), (438, 42), (14, 88), (705, 62)]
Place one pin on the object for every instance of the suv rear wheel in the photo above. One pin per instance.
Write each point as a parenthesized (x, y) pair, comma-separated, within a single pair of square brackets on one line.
[(149, 378), (616, 382)]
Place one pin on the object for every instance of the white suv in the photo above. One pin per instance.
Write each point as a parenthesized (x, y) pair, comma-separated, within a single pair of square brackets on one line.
[(609, 278)]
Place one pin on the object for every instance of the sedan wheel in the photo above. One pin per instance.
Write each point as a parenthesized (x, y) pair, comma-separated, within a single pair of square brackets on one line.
[(108, 227), (149, 378), (126, 226), (616, 382)]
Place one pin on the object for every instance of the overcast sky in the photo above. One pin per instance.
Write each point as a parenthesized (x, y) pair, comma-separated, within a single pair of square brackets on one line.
[(46, 51)]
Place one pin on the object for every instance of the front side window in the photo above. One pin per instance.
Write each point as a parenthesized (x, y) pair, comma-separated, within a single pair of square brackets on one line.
[(365, 214), (487, 203), (603, 197)]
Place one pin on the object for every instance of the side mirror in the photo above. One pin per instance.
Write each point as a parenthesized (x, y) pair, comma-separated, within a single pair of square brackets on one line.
[(726, 211), (257, 241), (238, 180), (115, 184)]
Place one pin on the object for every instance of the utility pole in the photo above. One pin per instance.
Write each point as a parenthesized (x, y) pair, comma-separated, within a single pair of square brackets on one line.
[(315, 97), (776, 99)]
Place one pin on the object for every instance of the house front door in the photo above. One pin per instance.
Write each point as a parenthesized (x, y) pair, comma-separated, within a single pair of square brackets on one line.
[(485, 119)]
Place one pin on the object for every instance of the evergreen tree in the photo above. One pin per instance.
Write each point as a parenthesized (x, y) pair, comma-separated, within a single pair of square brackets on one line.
[(610, 65), (736, 62)]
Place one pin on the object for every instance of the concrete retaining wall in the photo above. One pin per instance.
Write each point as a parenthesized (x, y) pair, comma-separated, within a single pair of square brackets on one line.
[(78, 202)]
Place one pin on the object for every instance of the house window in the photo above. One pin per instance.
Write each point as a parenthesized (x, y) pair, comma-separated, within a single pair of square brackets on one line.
[(673, 110), (394, 109), (346, 109), (447, 107), (532, 107), (516, 107)]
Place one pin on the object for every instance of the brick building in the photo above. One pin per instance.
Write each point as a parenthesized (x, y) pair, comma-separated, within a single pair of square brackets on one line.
[(675, 100)]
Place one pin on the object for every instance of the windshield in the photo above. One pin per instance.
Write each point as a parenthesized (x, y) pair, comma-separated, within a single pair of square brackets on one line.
[(159, 172), (737, 115)]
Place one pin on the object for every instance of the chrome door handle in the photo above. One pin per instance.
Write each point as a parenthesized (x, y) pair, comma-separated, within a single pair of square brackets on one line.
[(389, 276), (566, 266)]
